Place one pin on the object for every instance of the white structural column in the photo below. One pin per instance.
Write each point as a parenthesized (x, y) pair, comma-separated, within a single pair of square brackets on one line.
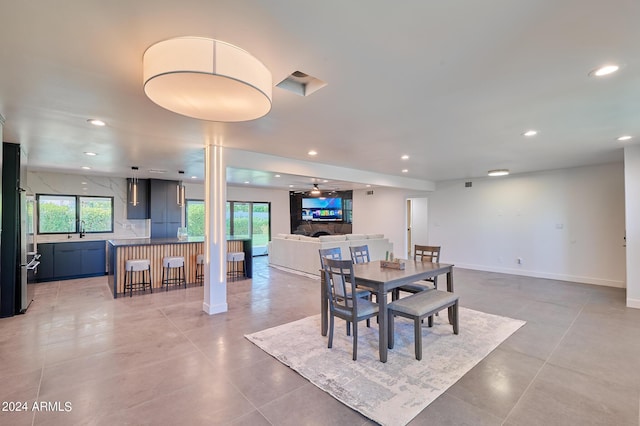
[(632, 222), (215, 251)]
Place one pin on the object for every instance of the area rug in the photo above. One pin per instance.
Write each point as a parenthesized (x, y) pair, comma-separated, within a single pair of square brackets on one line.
[(394, 392)]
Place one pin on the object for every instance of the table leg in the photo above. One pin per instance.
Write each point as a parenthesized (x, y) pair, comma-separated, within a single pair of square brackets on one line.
[(450, 289), (383, 327), (324, 306)]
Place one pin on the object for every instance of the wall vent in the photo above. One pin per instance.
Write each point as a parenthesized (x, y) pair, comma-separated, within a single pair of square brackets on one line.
[(369, 192), (468, 184)]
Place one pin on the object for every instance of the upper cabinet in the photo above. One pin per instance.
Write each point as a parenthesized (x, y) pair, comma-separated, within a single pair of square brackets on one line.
[(140, 210), (166, 213)]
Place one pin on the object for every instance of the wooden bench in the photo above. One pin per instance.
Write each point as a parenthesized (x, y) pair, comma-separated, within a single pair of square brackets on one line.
[(417, 307)]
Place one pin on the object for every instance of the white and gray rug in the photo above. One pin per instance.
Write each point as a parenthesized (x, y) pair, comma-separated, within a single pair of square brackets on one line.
[(394, 392)]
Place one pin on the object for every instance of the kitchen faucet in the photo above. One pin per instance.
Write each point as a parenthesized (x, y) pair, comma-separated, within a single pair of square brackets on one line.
[(82, 229)]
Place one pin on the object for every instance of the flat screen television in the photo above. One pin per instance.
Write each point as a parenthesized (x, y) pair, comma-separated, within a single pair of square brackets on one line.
[(322, 209)]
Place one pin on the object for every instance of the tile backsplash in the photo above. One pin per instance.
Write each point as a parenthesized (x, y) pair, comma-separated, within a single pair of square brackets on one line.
[(71, 184)]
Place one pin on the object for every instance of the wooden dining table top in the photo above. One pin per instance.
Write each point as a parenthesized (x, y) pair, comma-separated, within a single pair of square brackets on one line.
[(372, 273)]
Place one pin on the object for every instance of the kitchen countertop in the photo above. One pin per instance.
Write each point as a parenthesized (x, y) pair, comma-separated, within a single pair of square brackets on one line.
[(161, 241), (153, 241)]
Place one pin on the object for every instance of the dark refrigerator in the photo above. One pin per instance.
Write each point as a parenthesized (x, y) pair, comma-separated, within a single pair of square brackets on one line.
[(15, 240)]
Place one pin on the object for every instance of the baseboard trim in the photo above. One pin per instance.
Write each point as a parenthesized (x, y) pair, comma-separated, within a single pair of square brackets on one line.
[(633, 303), (217, 309), (546, 275)]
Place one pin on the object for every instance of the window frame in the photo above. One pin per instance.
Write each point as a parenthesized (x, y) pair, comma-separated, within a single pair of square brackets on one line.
[(76, 229), (186, 213)]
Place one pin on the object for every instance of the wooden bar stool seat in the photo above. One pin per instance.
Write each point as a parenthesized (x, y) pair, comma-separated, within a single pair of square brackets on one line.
[(173, 271), (200, 269), (236, 258), (135, 275)]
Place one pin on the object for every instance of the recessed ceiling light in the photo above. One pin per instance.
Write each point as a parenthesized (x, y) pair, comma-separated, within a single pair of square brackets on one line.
[(404, 157), (96, 122), (530, 133), (277, 176), (90, 154), (498, 172), (246, 181), (604, 70), (368, 186), (86, 167), (194, 177), (624, 138), (290, 186), (83, 183), (312, 153), (405, 170)]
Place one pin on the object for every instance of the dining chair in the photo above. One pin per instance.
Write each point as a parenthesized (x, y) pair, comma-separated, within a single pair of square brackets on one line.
[(340, 282), (360, 254), (336, 254), (422, 254)]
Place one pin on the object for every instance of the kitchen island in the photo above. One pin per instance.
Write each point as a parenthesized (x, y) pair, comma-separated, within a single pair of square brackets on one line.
[(154, 249)]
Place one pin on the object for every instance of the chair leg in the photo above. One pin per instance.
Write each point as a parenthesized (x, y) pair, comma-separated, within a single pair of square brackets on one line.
[(330, 331), (390, 329), (355, 340), (418, 337), (348, 328), (430, 321), (455, 318), (150, 282)]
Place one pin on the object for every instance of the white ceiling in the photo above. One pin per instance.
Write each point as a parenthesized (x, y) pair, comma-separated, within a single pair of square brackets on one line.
[(453, 84)]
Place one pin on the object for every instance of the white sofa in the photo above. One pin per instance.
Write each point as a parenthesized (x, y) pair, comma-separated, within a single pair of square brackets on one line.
[(300, 253)]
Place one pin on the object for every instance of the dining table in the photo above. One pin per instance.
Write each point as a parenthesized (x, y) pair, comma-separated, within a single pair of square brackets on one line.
[(382, 280)]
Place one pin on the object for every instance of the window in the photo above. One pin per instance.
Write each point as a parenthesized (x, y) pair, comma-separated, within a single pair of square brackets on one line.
[(195, 218), (56, 214), (244, 219), (67, 214), (96, 214)]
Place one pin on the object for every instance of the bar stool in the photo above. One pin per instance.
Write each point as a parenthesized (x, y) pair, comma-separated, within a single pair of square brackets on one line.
[(173, 267), (236, 257), (136, 268), (200, 269)]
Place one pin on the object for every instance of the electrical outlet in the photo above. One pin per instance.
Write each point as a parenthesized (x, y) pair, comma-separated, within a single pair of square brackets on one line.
[(519, 261)]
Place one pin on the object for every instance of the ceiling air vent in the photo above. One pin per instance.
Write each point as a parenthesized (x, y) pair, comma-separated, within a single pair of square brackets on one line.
[(301, 83)]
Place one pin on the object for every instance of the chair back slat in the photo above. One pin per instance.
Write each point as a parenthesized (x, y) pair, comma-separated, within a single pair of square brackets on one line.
[(426, 253), (331, 253), (340, 284), (360, 254)]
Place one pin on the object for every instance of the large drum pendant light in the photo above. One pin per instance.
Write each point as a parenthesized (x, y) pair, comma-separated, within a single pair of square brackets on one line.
[(207, 79)]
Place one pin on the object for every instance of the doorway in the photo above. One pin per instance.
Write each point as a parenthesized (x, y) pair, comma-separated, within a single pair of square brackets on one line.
[(417, 223)]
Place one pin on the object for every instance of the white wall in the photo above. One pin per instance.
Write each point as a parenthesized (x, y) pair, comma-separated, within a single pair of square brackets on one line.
[(419, 222), (564, 224), (383, 212), (632, 205)]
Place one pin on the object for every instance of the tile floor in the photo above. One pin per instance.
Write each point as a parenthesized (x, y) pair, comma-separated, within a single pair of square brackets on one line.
[(159, 360)]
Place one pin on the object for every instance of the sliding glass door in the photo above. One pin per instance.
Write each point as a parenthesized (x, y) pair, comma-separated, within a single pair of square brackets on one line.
[(260, 227), (250, 220)]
